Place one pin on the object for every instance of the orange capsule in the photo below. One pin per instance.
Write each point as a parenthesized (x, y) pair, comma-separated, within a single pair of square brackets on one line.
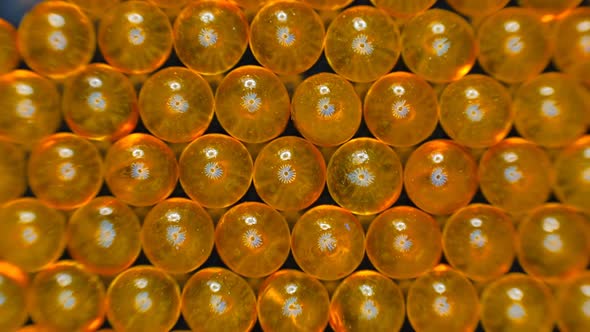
[(13, 181), (9, 55), (13, 296)]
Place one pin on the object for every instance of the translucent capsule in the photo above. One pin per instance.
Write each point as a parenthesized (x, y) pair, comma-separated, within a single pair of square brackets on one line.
[(287, 36), (30, 105), (364, 176), (404, 242), (100, 103), (401, 109), (477, 8), (289, 173), (135, 37), (326, 109), (177, 235), (571, 37), (574, 304), (32, 235), (554, 242), (210, 37), (362, 44), (13, 180), (514, 45), (572, 167), (13, 296), (479, 240), (517, 302), (442, 300), (103, 235), (328, 242), (56, 39), (9, 55), (252, 239), (215, 170), (326, 4), (476, 111), (439, 46), (66, 297), (551, 110), (176, 104), (169, 3), (402, 8), (516, 175), (252, 104), (143, 298), (215, 299), (65, 171), (141, 170), (290, 300), (440, 177), (367, 301)]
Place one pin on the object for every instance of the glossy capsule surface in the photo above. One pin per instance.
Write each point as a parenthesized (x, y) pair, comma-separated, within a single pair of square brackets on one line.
[(572, 169), (13, 180), (573, 303), (403, 9), (9, 55), (571, 37), (13, 292)]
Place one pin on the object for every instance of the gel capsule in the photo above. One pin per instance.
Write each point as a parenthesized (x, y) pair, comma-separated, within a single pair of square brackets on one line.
[(176, 104), (401, 109), (404, 242), (571, 37), (103, 235), (215, 299), (95, 8), (32, 235), (517, 302), (9, 55), (144, 299), (572, 185), (326, 4), (328, 242), (287, 37), (326, 110), (141, 170), (252, 104), (367, 301), (439, 46), (516, 175), (177, 235), (440, 177), (364, 176), (56, 39), (210, 37), (13, 296), (252, 239), (362, 44), (551, 110), (100, 103), (289, 173), (442, 300), (65, 171), (30, 107), (215, 170), (135, 37), (13, 180), (550, 9), (476, 111), (66, 297), (479, 240), (290, 300), (514, 45), (574, 303), (554, 242), (477, 8)]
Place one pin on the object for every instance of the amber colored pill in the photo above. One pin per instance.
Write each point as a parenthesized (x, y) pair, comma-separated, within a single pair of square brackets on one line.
[(572, 169), (66, 297), (328, 242), (443, 300), (13, 180), (574, 304), (291, 300), (177, 235), (103, 235), (404, 242), (252, 239), (215, 299), (14, 285), (65, 171), (9, 55)]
